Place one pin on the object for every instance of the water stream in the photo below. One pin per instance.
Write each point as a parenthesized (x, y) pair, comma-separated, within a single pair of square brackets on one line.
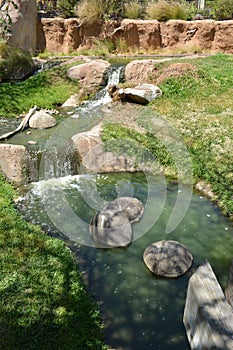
[(141, 311)]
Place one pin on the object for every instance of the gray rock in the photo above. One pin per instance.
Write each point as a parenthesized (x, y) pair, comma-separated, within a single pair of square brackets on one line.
[(95, 159), (167, 258), (91, 75), (24, 24), (12, 162), (111, 229), (132, 207), (142, 94), (42, 120)]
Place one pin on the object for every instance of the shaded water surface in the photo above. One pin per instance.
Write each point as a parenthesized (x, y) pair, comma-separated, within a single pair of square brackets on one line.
[(141, 311)]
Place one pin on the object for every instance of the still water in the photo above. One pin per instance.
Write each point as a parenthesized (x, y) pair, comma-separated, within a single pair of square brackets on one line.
[(141, 311)]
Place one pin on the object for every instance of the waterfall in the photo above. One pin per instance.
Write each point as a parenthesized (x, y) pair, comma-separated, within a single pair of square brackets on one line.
[(56, 161), (102, 97), (60, 159)]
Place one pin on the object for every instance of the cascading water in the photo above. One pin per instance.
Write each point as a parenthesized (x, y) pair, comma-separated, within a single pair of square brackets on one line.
[(52, 157)]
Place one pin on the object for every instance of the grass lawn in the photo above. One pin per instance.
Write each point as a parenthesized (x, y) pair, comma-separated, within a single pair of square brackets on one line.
[(43, 301)]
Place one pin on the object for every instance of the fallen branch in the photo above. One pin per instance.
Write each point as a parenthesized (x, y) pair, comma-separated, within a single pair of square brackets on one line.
[(21, 126)]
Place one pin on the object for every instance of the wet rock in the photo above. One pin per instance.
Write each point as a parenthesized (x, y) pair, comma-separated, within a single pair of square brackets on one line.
[(42, 120), (31, 142), (109, 228), (142, 94), (132, 207), (167, 258), (91, 75)]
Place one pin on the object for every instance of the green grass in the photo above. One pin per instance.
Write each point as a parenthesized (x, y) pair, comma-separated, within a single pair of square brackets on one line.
[(43, 301), (48, 89), (200, 109)]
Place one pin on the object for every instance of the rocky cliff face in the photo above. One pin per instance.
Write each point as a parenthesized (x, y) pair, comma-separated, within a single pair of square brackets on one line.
[(64, 35), (24, 22)]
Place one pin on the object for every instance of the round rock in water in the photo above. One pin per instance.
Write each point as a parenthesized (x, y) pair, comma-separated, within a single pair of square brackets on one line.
[(111, 229), (167, 258), (132, 207)]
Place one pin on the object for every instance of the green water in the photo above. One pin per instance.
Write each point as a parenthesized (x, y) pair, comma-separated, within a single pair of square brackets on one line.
[(141, 311)]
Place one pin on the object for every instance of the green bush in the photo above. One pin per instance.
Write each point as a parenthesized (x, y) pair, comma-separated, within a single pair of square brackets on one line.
[(163, 10), (14, 62), (91, 11), (67, 7), (133, 10), (222, 10)]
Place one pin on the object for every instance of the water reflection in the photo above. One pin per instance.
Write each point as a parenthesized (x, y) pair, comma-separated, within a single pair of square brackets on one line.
[(141, 311)]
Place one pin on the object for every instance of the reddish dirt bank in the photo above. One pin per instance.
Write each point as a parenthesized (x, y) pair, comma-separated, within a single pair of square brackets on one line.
[(65, 35)]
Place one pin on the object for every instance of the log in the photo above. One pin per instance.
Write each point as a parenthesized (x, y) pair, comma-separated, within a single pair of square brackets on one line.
[(21, 126), (208, 318)]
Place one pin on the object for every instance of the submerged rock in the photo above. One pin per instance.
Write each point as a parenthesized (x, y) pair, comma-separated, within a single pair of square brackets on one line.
[(42, 120), (167, 258), (132, 207), (109, 228)]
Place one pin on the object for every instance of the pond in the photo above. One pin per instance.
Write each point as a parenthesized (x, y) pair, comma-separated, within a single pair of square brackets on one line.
[(140, 310)]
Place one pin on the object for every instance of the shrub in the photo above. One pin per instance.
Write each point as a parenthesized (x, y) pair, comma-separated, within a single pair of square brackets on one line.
[(132, 10), (14, 62), (93, 10), (66, 7), (90, 11), (163, 10), (222, 10)]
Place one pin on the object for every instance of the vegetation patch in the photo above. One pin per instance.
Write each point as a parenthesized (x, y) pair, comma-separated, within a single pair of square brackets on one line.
[(200, 109), (47, 89), (44, 303)]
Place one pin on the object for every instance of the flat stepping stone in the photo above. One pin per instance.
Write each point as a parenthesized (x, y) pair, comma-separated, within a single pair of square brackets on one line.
[(132, 207), (168, 258), (111, 229)]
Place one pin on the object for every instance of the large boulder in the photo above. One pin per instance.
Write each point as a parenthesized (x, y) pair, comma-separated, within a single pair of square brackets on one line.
[(94, 159), (142, 94), (42, 120), (167, 258), (24, 24), (140, 71), (91, 75), (12, 162)]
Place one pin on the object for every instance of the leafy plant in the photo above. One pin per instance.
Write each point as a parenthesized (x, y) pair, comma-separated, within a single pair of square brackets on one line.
[(222, 10), (132, 9), (14, 61), (91, 11)]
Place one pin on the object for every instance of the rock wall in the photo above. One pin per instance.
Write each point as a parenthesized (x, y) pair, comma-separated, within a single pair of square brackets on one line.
[(24, 23), (65, 35)]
